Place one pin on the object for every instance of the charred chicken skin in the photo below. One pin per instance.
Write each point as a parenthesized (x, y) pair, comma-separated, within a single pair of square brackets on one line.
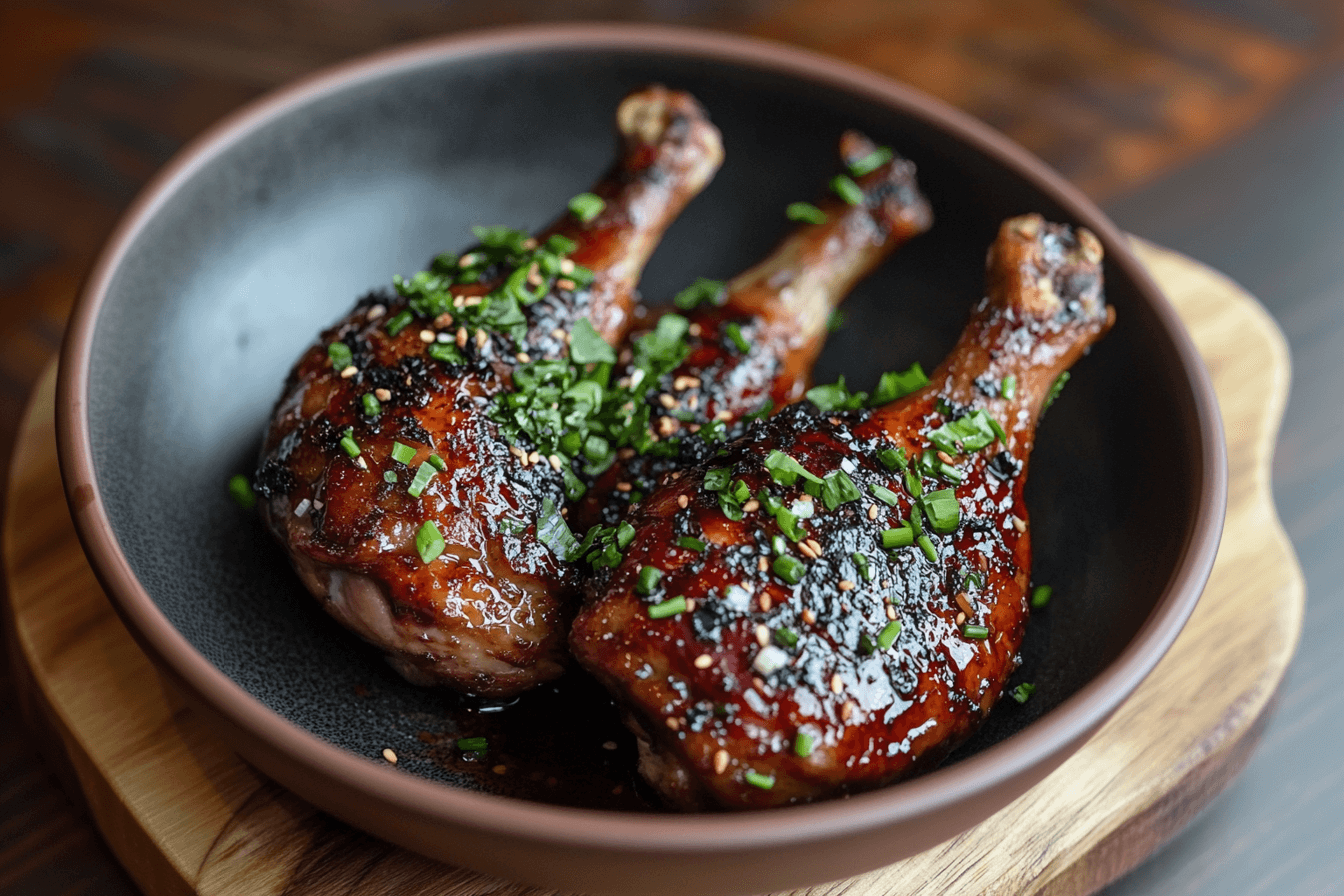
[(384, 473), (751, 342), (837, 601)]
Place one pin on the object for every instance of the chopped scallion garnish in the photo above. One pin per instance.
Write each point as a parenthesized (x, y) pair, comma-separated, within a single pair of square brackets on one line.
[(789, 568), (702, 291), (403, 454), (429, 542), (398, 322), (438, 463), (805, 213), (837, 488), (648, 579), (1008, 388), (892, 458), (587, 206), (717, 479), (340, 355), (372, 406), (926, 545), (870, 162), (900, 537), (472, 744), (847, 190), (1040, 596), (887, 637), (423, 474), (756, 779), (389, 476), (1055, 388), (667, 608), (785, 470), (240, 489), (802, 745), (785, 638), (348, 443), (975, 632), (883, 494), (1022, 693), (733, 331), (865, 570), (943, 511), (691, 544)]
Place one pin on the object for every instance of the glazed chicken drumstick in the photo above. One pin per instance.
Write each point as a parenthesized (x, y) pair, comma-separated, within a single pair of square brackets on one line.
[(751, 342), (837, 601), (384, 473)]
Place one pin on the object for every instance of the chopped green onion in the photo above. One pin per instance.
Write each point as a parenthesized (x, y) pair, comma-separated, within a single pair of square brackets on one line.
[(896, 384), (943, 511), (1008, 388), (702, 291), (667, 608), (398, 322), (802, 745), (402, 454), (439, 463), (837, 488), (927, 547), (778, 545), (913, 483), (429, 542), (240, 489), (917, 519), (586, 345), (785, 470), (423, 474), (866, 645), (861, 561), (553, 531), (717, 479), (901, 537), (976, 632), (734, 333), (1022, 693), (835, 397), (892, 458), (805, 213), (785, 638), (1055, 388), (790, 525), (883, 494), (1040, 596), (835, 320), (870, 162), (847, 190), (691, 544), (888, 635), (348, 443), (445, 352), (587, 206), (372, 407), (648, 579), (789, 568), (472, 744), (756, 779), (389, 476), (970, 433), (340, 355)]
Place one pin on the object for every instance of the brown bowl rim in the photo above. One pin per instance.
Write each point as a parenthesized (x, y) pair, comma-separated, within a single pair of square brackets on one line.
[(1061, 729)]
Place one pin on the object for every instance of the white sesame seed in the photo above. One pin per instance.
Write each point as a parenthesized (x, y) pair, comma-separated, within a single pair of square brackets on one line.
[(837, 683), (891, 611), (720, 762), (426, 335), (376, 312), (673, 723), (534, 457), (624, 487), (806, 550), (815, 546), (945, 457), (683, 502), (961, 617), (349, 372), (751, 506), (846, 585), (382, 394), (762, 635), (762, 564), (690, 605), (1018, 524), (667, 401), (667, 426), (704, 661), (443, 321), (565, 283), (361, 462), (523, 357), (609, 745), (847, 711), (566, 265), (481, 339), (872, 512), (500, 769), (556, 463), (390, 755), (766, 603), (694, 329)]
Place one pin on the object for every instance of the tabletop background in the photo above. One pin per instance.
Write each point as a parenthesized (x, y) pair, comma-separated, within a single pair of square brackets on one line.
[(1215, 127)]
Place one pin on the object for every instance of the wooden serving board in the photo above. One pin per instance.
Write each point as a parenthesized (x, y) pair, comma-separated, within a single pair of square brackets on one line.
[(187, 816)]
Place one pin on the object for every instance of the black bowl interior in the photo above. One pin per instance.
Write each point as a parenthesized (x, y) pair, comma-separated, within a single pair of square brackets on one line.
[(273, 239)]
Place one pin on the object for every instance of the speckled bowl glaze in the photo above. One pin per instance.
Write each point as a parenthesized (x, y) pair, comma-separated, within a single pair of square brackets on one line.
[(268, 226)]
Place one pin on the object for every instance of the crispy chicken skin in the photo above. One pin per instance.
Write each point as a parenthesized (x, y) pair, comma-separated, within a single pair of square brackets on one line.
[(821, 647), (486, 615), (778, 309)]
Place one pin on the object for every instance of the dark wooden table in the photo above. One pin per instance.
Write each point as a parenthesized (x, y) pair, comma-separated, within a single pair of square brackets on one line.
[(1212, 126)]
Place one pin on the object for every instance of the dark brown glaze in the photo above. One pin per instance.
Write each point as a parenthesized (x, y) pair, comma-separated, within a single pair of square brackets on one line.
[(781, 306), (708, 717), (487, 616)]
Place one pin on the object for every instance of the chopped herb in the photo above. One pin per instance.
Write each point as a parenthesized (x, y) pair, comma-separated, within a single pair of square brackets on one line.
[(398, 322), (790, 525), (671, 607), (1008, 388), (472, 744), (785, 470), (943, 511), (702, 291), (372, 407), (805, 213), (926, 545), (973, 578), (975, 632), (240, 489), (1055, 388), (446, 352), (553, 531), (586, 345), (422, 476), (836, 397), (835, 320), (892, 458), (861, 561), (340, 355), (970, 433), (402, 454), (913, 484), (888, 635), (847, 190), (437, 462), (1022, 693), (429, 542), (648, 578), (900, 537), (389, 476), (866, 645), (717, 479), (1040, 596), (691, 544), (802, 745), (756, 779), (587, 206), (574, 487), (348, 443), (870, 162), (883, 494), (789, 568), (837, 488), (785, 638), (733, 331), (896, 384)]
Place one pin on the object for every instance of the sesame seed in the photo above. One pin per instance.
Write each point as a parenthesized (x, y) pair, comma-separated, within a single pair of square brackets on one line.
[(704, 661), (806, 550), (459, 302), (667, 401), (762, 635), (891, 611), (762, 564), (426, 335), (481, 339), (1018, 524), (500, 769), (667, 426), (690, 605), (609, 745), (846, 585), (461, 337), (523, 357), (467, 260), (673, 476), (349, 372), (382, 394), (565, 283), (815, 546), (872, 511), (751, 506), (837, 683), (694, 329), (720, 762), (693, 402), (673, 723), (945, 457), (390, 755), (318, 505), (376, 312), (443, 321), (472, 301), (725, 416), (694, 427), (530, 243), (683, 502), (534, 457), (556, 464), (766, 603), (965, 605), (682, 383), (809, 617), (847, 711), (961, 617), (363, 464), (623, 487), (566, 265), (805, 497)]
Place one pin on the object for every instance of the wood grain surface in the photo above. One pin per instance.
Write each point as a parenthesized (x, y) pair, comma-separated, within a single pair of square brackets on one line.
[(186, 816)]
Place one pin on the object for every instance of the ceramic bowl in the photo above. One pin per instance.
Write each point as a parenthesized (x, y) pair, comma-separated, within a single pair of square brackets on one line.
[(267, 227)]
